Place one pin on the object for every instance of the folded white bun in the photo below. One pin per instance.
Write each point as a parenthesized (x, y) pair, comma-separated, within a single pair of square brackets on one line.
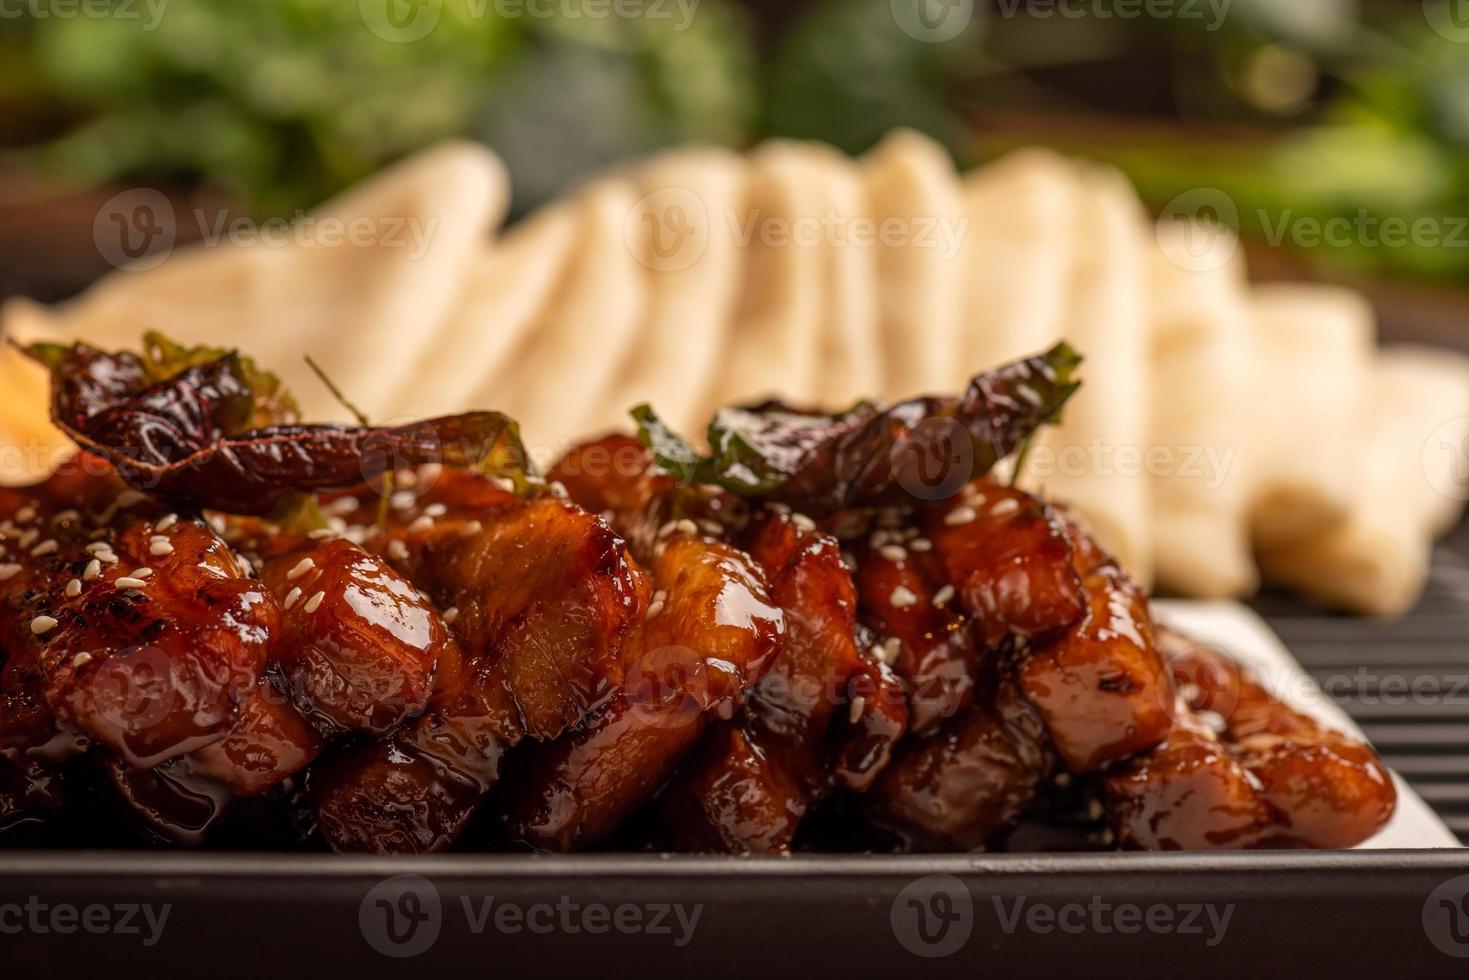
[(556, 383), (920, 223), (772, 350), (1094, 460), (1313, 359), (355, 299), (508, 285), (1412, 487), (1200, 377), (684, 234)]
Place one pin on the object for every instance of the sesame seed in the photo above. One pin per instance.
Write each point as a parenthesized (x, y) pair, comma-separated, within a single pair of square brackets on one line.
[(902, 597), (1008, 506), (655, 608), (107, 557), (160, 548), (504, 483), (471, 528), (859, 705), (942, 596), (302, 567), (28, 538), (167, 522), (850, 560), (144, 572), (42, 625), (920, 545), (47, 547), (25, 515), (421, 523), (892, 646), (402, 501), (803, 523), (66, 517), (314, 603), (977, 499), (397, 550), (98, 546), (129, 498), (436, 510), (81, 659), (8, 572), (73, 588), (711, 528), (960, 515), (450, 615), (686, 526), (779, 507), (558, 489), (321, 534), (292, 597), (94, 570), (129, 583), (342, 507), (1094, 810), (893, 552)]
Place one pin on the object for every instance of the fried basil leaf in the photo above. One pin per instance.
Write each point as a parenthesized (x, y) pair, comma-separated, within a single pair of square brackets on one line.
[(870, 456)]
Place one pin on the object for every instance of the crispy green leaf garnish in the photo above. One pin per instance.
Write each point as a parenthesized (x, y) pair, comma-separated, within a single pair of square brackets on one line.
[(869, 456)]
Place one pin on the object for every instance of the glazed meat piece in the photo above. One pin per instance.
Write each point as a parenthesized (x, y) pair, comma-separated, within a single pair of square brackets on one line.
[(169, 803), (968, 782), (543, 599), (152, 636), (921, 626), (360, 643), (1100, 686), (712, 630), (270, 743), (748, 791), (1007, 555), (1187, 794), (1329, 790)]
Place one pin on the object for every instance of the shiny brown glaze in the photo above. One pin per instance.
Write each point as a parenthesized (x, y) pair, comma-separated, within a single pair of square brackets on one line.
[(1100, 685), (972, 779), (361, 644), (1007, 554), (713, 630)]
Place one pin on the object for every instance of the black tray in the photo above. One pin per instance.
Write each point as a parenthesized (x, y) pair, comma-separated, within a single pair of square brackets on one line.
[(1387, 913)]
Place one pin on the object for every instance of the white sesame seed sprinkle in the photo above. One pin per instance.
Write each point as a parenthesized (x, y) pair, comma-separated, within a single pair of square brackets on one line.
[(97, 546), (686, 526), (73, 588), (314, 603), (1007, 506), (893, 552), (127, 582), (25, 515), (892, 646), (436, 510), (920, 545), (960, 515), (471, 528), (28, 538), (144, 572), (397, 550), (107, 558), (292, 597), (160, 548), (47, 547), (93, 571), (322, 534), (779, 507), (903, 597), (167, 522), (42, 625), (803, 523), (66, 517), (342, 507), (421, 523), (302, 567), (942, 596), (655, 607), (859, 705), (81, 659), (8, 572), (129, 498), (450, 615)]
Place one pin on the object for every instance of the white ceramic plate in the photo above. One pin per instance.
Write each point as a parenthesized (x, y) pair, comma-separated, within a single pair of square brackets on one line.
[(1242, 633)]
